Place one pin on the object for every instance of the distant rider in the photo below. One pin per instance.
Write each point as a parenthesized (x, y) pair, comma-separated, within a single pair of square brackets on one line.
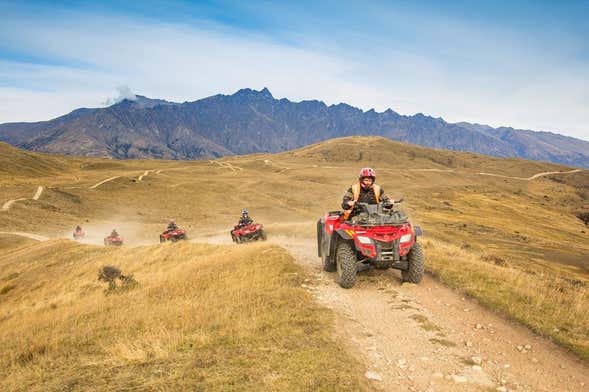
[(114, 233), (172, 226), (78, 232), (245, 219), (364, 191)]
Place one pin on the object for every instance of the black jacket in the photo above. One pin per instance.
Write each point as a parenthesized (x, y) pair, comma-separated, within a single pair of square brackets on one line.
[(245, 220)]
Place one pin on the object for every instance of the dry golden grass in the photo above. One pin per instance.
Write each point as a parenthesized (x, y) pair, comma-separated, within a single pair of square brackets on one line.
[(532, 225), (549, 304), (203, 317)]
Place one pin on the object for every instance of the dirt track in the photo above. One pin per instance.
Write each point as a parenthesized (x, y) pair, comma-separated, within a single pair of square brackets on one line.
[(6, 206), (427, 337), (32, 236), (103, 182), (532, 177)]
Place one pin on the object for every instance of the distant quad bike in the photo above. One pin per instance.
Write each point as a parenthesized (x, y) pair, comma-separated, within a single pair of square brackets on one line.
[(113, 241), (78, 234), (252, 232), (173, 235), (378, 237)]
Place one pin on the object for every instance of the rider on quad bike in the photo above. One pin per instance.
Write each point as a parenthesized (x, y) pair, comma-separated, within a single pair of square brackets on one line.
[(246, 230), (78, 233), (369, 233), (173, 233), (244, 219), (172, 226), (114, 239), (364, 191)]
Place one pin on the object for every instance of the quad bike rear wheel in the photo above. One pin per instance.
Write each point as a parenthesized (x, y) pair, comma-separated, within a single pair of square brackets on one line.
[(346, 264), (415, 271), (263, 235)]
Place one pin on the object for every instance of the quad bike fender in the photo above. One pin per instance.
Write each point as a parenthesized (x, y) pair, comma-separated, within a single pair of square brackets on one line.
[(344, 234), (320, 236), (325, 246), (332, 241)]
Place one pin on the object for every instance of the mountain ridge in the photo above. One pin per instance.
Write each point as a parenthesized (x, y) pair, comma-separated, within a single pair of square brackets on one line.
[(251, 121)]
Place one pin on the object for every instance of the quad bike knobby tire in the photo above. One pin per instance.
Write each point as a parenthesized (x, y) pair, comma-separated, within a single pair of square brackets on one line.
[(262, 235), (414, 272), (162, 239), (346, 264)]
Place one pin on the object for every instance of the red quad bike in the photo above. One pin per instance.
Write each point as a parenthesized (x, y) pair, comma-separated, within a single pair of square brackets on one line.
[(113, 241), (79, 234), (173, 235), (378, 237), (254, 231)]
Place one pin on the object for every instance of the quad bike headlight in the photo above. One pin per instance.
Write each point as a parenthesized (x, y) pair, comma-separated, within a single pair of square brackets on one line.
[(364, 240), (405, 238)]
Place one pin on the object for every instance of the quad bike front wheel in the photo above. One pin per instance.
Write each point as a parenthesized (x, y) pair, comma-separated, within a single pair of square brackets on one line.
[(162, 239), (345, 257), (414, 273)]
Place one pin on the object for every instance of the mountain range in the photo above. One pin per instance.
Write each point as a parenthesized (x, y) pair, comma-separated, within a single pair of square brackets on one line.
[(251, 121)]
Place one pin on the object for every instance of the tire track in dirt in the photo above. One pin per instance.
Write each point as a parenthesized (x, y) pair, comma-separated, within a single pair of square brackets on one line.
[(146, 173), (32, 236), (227, 165), (428, 337), (532, 177), (103, 182), (6, 206)]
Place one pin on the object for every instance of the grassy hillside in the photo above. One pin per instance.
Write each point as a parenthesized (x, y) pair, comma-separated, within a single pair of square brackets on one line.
[(202, 317), (15, 163), (481, 228)]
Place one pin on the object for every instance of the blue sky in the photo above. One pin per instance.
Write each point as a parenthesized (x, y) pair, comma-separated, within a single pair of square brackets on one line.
[(524, 65)]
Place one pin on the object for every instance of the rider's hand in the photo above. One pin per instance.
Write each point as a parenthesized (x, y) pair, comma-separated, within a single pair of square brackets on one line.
[(351, 203)]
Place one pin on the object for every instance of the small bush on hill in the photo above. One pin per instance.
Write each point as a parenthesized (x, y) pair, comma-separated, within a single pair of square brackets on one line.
[(111, 274)]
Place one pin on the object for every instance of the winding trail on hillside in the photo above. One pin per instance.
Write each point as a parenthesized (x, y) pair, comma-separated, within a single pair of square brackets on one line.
[(32, 236), (146, 173), (227, 165), (532, 177), (103, 182), (6, 206), (428, 337)]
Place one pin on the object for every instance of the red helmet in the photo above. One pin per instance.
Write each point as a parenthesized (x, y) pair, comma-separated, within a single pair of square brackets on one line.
[(367, 172)]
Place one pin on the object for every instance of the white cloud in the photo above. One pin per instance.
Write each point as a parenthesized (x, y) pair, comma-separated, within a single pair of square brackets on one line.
[(124, 92)]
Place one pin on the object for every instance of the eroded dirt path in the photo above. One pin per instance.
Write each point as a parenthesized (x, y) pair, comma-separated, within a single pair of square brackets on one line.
[(146, 173), (427, 337), (32, 236), (6, 206), (532, 177), (103, 182)]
